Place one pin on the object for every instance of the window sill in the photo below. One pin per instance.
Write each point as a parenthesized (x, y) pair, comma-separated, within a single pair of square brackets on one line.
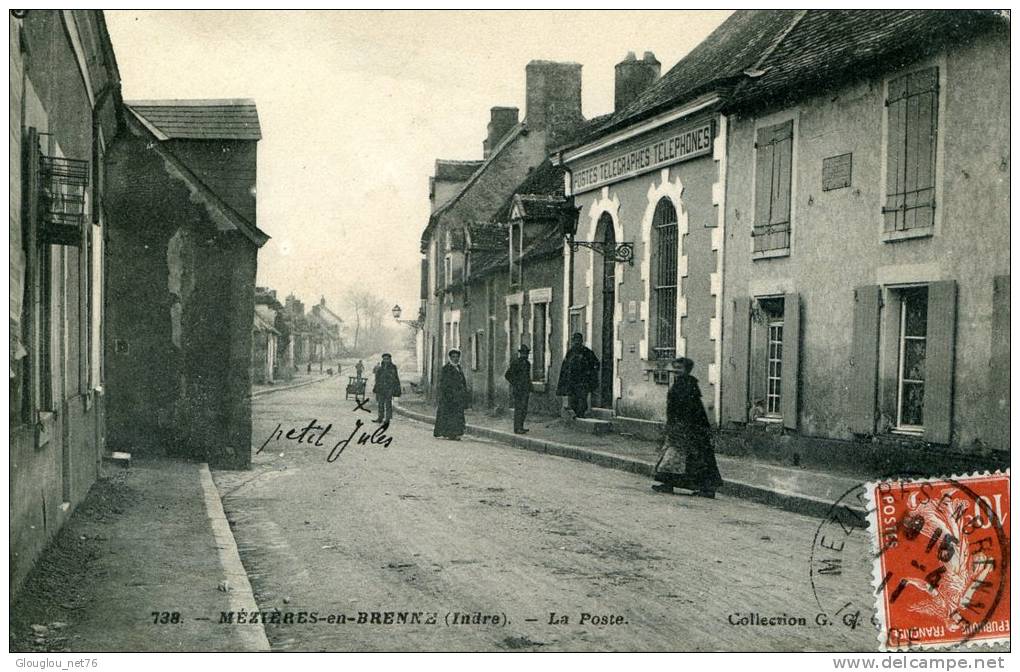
[(769, 419), (908, 234), (771, 254), (908, 431), (537, 386)]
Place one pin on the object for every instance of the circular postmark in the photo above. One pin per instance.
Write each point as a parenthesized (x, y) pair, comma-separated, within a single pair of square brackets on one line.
[(934, 571)]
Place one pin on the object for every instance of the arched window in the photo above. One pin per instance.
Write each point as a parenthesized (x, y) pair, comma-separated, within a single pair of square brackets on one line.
[(665, 248)]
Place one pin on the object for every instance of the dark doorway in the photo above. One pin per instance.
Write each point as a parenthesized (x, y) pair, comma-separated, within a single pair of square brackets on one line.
[(605, 399)]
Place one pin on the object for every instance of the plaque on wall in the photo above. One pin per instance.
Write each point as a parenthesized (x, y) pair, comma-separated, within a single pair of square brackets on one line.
[(837, 172)]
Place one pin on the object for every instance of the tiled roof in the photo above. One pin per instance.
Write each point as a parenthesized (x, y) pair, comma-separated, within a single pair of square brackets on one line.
[(717, 62), (235, 119), (456, 171), (487, 261), (543, 184), (488, 236), (827, 47), (541, 207), (507, 141), (549, 244)]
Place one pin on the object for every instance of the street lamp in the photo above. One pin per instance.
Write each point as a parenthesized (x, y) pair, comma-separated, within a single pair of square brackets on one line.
[(416, 324)]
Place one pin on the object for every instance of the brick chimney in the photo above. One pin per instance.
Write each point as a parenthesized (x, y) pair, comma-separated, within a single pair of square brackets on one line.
[(501, 121), (633, 77), (553, 99)]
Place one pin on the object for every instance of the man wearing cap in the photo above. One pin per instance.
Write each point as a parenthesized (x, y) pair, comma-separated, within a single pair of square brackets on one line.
[(387, 386), (519, 377)]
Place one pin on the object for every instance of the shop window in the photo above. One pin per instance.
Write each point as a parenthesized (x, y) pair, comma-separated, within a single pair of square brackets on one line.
[(772, 191), (911, 135), (665, 250)]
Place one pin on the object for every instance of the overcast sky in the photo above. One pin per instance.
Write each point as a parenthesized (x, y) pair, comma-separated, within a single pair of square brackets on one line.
[(356, 106)]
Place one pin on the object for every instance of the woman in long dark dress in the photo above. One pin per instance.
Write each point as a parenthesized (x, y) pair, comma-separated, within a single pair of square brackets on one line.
[(453, 397), (687, 459)]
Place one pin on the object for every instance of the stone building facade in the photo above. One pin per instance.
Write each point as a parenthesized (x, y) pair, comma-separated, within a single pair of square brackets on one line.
[(511, 150), (183, 248), (867, 243), (64, 100)]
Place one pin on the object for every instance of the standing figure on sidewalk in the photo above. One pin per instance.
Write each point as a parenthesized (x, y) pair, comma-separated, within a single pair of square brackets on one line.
[(519, 377), (453, 398), (579, 375), (687, 459), (359, 368), (387, 386)]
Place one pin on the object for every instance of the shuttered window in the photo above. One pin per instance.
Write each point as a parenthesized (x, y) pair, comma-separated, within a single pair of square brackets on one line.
[(773, 172), (666, 248), (917, 356), (734, 389), (774, 358), (864, 359), (998, 435), (912, 126)]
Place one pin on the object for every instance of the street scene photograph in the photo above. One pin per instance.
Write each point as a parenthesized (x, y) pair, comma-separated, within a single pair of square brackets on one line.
[(509, 331)]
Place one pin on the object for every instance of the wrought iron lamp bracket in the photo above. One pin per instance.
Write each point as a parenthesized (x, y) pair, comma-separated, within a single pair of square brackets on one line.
[(619, 252)]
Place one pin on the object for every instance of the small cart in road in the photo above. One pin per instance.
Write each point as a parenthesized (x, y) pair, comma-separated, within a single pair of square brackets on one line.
[(356, 387)]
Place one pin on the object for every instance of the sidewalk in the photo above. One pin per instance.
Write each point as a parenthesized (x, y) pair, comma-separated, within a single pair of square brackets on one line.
[(794, 489), (299, 380), (150, 538)]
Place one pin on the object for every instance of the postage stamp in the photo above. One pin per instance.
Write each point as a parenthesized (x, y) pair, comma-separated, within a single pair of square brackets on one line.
[(941, 560)]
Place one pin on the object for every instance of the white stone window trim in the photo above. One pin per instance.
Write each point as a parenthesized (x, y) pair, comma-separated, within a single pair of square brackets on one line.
[(536, 297), (764, 122), (672, 190), (940, 147)]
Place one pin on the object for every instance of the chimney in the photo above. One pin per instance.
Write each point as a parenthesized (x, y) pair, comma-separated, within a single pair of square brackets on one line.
[(633, 77), (501, 121), (553, 99)]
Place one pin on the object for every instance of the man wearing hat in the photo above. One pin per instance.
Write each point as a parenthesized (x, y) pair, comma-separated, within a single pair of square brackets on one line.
[(519, 377)]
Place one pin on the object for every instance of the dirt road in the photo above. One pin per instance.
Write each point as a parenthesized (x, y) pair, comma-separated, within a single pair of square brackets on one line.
[(427, 528)]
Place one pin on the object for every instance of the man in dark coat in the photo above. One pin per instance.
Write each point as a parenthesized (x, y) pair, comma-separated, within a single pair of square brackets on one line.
[(387, 386), (579, 375), (453, 399), (687, 459), (519, 377)]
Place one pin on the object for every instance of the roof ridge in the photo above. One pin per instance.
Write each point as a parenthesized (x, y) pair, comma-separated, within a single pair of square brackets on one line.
[(775, 43), (191, 102)]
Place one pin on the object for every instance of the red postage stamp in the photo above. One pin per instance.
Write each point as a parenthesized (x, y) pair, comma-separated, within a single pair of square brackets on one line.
[(941, 567)]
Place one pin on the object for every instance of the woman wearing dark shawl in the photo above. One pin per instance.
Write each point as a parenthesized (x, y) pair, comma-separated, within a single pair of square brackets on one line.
[(687, 459), (453, 398)]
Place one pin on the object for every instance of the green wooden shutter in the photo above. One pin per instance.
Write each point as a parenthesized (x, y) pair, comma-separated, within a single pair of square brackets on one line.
[(791, 360), (763, 179), (912, 123), (998, 434), (864, 366), (939, 358), (735, 387), (782, 157)]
